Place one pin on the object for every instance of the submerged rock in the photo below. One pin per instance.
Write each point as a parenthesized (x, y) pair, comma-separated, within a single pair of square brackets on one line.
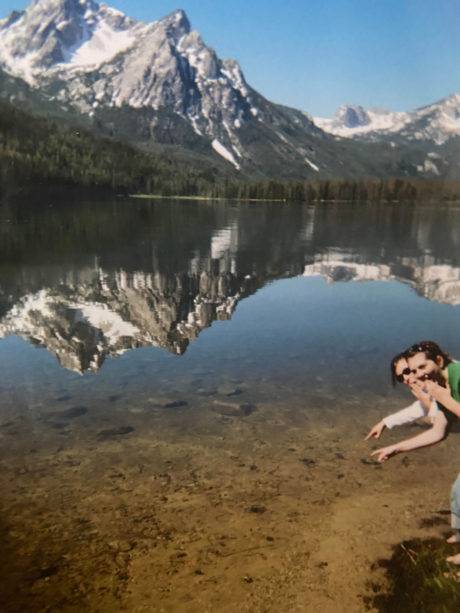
[(71, 413), (256, 508), (370, 462), (229, 390), (121, 545), (233, 409), (105, 435), (59, 425), (308, 462), (175, 404), (247, 408)]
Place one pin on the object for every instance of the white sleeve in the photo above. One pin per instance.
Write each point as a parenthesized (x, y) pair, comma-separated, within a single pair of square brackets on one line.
[(405, 416)]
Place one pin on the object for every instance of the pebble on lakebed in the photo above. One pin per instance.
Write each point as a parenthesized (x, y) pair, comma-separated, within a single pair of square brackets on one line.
[(168, 403), (105, 435), (71, 413), (233, 409), (256, 508), (308, 461)]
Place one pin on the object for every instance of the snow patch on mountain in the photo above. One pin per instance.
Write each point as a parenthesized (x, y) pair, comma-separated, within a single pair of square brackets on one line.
[(99, 46), (312, 165), (429, 167), (224, 152)]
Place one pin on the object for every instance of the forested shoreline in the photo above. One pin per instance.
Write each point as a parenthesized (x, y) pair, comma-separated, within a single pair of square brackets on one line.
[(35, 151)]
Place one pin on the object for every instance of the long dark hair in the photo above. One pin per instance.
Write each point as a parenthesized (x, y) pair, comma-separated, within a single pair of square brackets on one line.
[(432, 351), (394, 361)]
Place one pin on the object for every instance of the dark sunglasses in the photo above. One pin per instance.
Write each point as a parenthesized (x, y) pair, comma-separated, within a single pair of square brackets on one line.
[(405, 372)]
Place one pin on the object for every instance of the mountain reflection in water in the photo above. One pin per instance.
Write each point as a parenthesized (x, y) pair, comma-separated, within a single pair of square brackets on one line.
[(92, 280)]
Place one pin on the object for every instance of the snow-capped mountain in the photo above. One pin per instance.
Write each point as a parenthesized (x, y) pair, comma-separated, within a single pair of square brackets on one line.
[(70, 33), (112, 60), (353, 121), (159, 85), (436, 122), (96, 58)]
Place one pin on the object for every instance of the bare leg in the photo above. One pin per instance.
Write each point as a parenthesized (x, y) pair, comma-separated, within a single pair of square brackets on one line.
[(455, 518), (455, 537), (454, 559)]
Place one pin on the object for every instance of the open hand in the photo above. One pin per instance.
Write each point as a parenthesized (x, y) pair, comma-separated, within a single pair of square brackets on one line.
[(419, 391), (436, 391)]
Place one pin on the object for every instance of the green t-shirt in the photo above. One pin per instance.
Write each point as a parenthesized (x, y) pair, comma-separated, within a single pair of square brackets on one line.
[(453, 376)]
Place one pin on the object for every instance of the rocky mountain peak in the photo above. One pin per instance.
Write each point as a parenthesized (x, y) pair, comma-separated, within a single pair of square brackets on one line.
[(51, 32), (176, 24), (352, 116), (159, 82), (12, 17)]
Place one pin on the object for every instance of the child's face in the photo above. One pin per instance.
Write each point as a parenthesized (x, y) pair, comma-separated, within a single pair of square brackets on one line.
[(402, 371)]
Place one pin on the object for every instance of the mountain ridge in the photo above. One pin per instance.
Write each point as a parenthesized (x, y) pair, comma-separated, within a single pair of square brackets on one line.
[(437, 122), (158, 84)]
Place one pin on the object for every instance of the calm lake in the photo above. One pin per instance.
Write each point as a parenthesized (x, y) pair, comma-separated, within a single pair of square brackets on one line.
[(160, 340), (137, 297)]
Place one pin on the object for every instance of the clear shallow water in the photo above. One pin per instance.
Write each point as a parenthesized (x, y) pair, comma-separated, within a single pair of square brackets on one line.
[(185, 391), (116, 302)]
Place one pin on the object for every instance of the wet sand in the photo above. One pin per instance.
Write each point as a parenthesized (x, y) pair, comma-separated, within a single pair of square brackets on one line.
[(219, 504)]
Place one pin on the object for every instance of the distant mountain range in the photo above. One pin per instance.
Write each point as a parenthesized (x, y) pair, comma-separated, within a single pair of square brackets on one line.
[(158, 85), (436, 122)]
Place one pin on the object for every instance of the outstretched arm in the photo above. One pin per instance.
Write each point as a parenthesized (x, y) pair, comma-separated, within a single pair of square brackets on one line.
[(435, 434), (404, 416)]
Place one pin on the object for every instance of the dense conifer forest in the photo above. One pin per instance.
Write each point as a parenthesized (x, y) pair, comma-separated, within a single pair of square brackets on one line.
[(375, 190), (38, 151)]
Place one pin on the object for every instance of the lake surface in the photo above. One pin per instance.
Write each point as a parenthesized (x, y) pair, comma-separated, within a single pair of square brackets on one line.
[(131, 327), (133, 296)]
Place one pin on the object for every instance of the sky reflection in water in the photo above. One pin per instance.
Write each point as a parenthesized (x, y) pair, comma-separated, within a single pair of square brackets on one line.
[(142, 297)]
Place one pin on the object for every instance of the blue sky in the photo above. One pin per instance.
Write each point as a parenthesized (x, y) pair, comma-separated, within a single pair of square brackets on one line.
[(318, 54)]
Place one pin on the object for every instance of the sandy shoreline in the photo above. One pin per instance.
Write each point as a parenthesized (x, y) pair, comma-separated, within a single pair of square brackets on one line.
[(196, 509)]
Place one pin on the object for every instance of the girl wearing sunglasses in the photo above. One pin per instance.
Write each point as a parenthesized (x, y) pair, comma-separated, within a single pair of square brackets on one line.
[(434, 378), (424, 408)]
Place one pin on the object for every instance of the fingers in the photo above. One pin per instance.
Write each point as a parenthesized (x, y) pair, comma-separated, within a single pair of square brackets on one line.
[(374, 433), (381, 455)]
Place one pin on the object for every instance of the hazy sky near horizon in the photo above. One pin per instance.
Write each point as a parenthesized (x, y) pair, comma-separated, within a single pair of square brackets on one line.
[(317, 54)]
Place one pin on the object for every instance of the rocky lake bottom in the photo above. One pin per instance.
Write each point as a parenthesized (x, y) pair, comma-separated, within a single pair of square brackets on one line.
[(217, 499), (185, 392)]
